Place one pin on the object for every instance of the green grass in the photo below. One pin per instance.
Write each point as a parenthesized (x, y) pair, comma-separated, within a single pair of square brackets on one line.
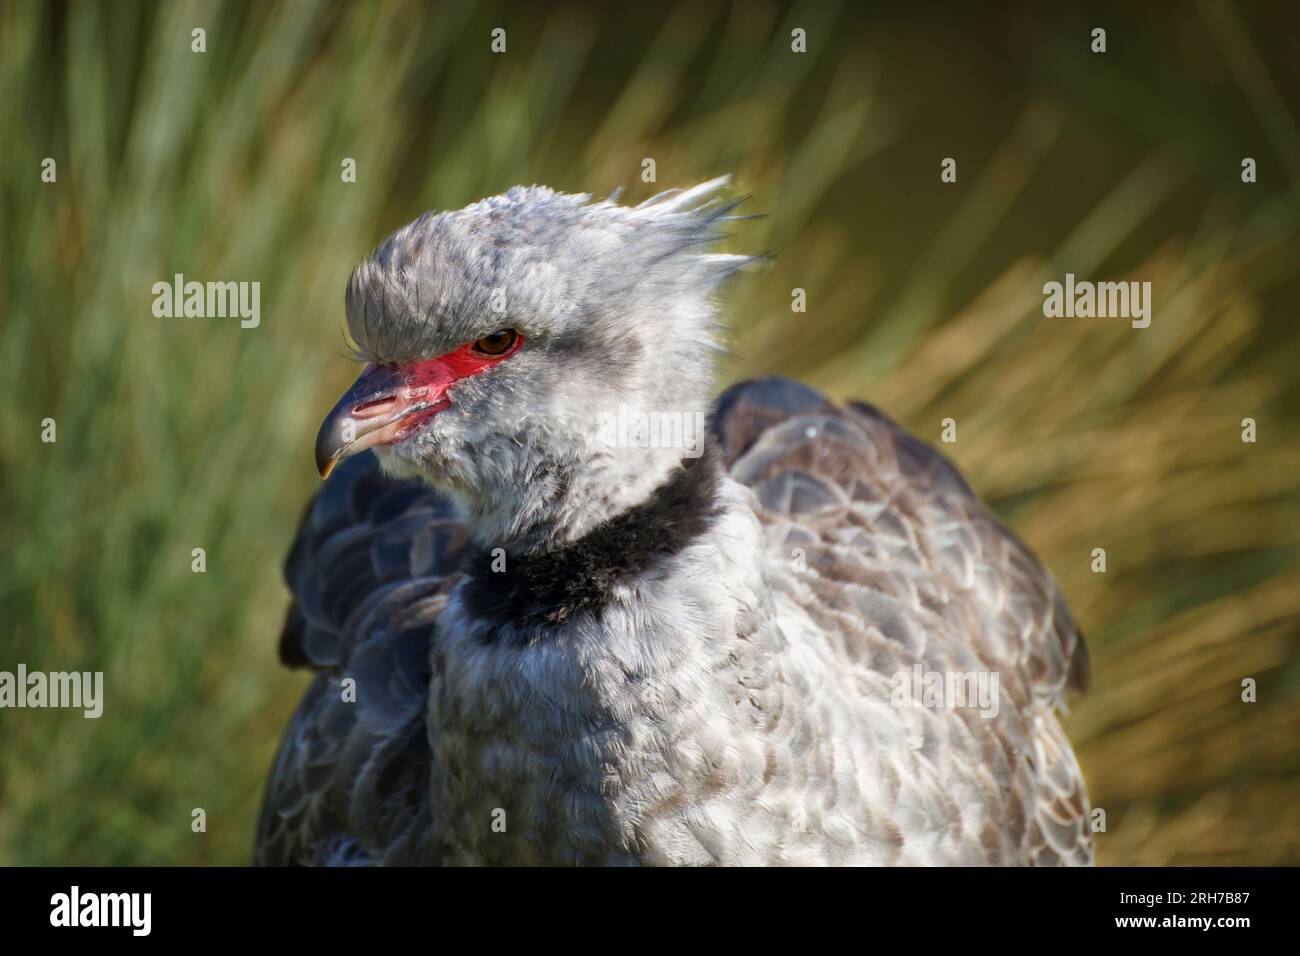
[(923, 298)]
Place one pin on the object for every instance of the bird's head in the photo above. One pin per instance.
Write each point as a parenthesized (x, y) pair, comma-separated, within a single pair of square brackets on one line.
[(545, 359)]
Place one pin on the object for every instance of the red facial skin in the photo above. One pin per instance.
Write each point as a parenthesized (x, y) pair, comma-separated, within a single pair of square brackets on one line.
[(389, 402), (430, 380)]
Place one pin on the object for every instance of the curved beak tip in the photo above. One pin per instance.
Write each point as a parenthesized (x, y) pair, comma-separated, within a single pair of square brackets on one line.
[(329, 446), (370, 413)]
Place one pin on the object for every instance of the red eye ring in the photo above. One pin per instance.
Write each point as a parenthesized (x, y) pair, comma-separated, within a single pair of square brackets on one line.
[(498, 343)]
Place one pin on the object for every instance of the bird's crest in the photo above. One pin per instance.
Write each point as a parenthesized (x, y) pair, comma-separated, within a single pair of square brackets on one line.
[(558, 262)]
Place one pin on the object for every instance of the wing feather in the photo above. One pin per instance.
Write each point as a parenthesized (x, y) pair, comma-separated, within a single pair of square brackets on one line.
[(370, 570), (898, 541)]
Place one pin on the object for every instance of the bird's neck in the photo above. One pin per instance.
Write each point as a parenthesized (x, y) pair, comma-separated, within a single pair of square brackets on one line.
[(532, 588), (557, 704), (523, 504)]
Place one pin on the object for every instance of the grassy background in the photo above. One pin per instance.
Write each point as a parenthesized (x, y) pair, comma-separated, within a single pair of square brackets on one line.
[(923, 297)]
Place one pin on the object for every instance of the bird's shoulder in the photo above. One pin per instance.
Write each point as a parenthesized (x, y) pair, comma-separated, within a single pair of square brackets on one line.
[(370, 570), (870, 496), (886, 548), (366, 543)]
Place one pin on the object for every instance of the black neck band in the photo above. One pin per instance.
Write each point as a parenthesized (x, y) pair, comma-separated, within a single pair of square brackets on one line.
[(552, 586)]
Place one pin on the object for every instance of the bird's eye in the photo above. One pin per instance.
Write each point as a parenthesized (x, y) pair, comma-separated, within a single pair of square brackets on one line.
[(498, 343)]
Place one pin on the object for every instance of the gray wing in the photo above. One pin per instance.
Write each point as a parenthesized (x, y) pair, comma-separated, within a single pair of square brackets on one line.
[(369, 571), (891, 530)]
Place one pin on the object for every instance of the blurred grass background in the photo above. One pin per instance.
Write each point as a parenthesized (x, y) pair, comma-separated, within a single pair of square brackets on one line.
[(924, 298)]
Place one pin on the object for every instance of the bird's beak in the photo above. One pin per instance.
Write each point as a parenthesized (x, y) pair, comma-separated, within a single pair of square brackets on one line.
[(383, 406)]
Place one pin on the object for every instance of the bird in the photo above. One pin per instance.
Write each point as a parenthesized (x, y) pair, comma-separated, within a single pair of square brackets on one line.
[(545, 629)]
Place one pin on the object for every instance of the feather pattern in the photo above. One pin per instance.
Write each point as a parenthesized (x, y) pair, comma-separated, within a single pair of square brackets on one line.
[(738, 706)]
